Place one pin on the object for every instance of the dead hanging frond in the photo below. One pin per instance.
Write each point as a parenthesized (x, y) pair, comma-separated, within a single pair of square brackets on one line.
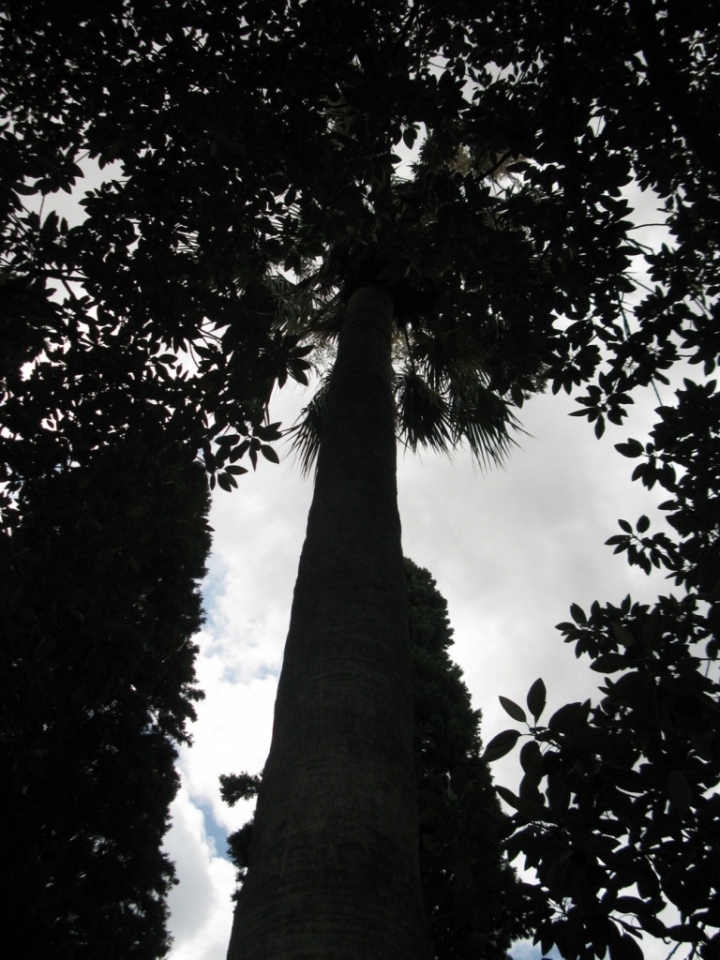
[(326, 321), (306, 432), (439, 416)]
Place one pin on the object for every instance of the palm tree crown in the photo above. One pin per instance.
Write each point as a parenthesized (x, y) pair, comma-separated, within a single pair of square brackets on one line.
[(447, 322)]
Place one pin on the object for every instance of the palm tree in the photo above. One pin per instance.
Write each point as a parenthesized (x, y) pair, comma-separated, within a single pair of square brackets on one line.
[(334, 861)]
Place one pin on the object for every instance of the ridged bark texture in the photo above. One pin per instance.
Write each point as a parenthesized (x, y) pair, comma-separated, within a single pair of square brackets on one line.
[(334, 864)]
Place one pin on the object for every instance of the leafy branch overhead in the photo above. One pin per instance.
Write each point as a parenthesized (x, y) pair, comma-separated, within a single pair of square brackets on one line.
[(280, 161)]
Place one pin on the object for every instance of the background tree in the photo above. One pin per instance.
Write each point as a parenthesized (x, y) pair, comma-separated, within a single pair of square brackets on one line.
[(474, 902), (473, 899), (100, 568)]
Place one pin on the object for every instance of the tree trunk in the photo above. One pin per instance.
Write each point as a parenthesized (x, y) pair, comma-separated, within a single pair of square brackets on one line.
[(334, 862)]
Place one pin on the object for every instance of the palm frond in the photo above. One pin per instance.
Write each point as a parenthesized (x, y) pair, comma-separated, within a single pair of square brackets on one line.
[(306, 432), (424, 416), (483, 419), (301, 307), (442, 355)]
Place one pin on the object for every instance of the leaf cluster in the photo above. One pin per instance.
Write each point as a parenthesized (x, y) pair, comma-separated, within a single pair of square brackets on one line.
[(599, 96), (158, 295), (617, 810)]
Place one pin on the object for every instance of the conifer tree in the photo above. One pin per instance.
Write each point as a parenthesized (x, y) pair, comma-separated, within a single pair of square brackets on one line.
[(473, 900)]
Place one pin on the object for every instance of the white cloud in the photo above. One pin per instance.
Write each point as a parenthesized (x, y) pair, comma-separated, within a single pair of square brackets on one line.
[(232, 733), (201, 911)]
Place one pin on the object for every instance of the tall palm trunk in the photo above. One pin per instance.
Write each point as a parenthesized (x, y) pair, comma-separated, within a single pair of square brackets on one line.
[(334, 866)]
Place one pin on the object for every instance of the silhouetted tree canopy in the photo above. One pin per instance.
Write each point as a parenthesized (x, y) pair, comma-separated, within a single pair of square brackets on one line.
[(249, 186), (99, 606)]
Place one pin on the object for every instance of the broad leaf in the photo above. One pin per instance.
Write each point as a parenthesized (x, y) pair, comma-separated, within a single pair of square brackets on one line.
[(513, 709)]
